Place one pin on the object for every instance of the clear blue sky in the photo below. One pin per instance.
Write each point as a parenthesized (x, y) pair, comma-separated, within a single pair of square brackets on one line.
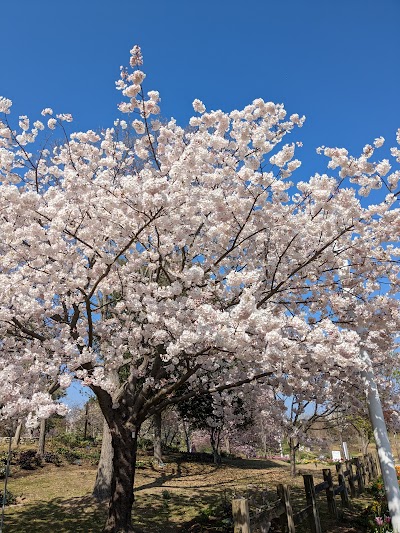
[(336, 61)]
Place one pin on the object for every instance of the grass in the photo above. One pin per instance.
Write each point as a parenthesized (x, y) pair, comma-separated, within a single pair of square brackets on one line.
[(172, 499)]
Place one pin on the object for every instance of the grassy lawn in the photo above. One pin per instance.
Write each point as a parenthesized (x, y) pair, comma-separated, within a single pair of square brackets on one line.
[(168, 500)]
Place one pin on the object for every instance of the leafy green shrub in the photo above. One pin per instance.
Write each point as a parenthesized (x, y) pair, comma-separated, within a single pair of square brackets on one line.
[(29, 460), (77, 454), (74, 440), (10, 497), (377, 513), (50, 457), (3, 462), (197, 457), (218, 516), (67, 454), (166, 495), (145, 445), (3, 471)]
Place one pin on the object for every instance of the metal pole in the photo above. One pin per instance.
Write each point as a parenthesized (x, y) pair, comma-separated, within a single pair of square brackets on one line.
[(382, 442), (5, 484)]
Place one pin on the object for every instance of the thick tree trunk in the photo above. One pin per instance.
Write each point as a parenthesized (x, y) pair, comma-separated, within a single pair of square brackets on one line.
[(42, 437), (17, 435), (292, 451), (157, 420), (102, 485), (124, 444)]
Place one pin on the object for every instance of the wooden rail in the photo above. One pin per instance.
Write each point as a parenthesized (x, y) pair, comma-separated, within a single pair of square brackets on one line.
[(351, 481)]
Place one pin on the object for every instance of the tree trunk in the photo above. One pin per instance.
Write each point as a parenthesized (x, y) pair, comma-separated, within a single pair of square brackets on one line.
[(157, 420), (85, 429), (292, 451), (364, 445), (186, 431), (42, 437), (102, 485), (124, 444), (227, 445), (214, 438), (17, 436)]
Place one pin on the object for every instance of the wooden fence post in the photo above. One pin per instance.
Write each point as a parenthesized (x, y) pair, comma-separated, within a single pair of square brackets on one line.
[(330, 495), (287, 519), (344, 495), (378, 465), (353, 491), (360, 480), (367, 469), (241, 515), (372, 466), (363, 470), (313, 514)]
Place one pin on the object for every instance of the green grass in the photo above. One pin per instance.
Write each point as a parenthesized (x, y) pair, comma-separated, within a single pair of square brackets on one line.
[(168, 500)]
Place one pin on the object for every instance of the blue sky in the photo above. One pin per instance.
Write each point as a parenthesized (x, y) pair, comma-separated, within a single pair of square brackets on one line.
[(336, 61)]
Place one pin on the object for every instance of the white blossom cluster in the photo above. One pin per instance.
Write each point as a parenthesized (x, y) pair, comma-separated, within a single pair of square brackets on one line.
[(178, 259)]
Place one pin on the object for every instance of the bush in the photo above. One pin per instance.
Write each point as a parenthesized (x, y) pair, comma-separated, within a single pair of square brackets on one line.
[(29, 460), (74, 440), (52, 458), (197, 457), (3, 471), (68, 455), (377, 513), (144, 444), (218, 516), (10, 498)]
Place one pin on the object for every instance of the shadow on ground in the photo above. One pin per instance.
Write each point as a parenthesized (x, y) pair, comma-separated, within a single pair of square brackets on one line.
[(77, 515)]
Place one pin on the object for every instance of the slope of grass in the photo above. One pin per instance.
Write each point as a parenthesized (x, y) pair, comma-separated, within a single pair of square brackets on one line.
[(173, 499)]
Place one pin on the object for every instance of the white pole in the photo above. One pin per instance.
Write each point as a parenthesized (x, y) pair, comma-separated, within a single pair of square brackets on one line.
[(382, 442), (5, 484)]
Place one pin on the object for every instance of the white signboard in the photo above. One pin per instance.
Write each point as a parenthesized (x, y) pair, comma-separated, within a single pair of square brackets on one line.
[(336, 455)]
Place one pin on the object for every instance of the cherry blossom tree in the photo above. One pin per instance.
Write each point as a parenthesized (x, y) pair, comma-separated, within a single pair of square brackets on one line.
[(183, 261)]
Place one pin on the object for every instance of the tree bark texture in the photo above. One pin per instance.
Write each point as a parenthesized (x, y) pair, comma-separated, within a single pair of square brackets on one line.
[(124, 443), (293, 447), (214, 438), (102, 485), (157, 421), (42, 437), (85, 429), (17, 435)]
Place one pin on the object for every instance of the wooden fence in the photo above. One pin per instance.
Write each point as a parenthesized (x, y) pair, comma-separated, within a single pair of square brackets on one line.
[(352, 477)]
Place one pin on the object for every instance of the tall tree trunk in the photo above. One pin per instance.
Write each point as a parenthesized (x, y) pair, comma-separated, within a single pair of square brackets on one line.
[(186, 430), (86, 420), (292, 454), (214, 438), (157, 420), (102, 485), (124, 444), (17, 435), (364, 445), (42, 437), (227, 445)]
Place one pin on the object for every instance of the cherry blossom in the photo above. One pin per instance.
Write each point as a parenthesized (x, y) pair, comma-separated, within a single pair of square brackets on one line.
[(164, 262)]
